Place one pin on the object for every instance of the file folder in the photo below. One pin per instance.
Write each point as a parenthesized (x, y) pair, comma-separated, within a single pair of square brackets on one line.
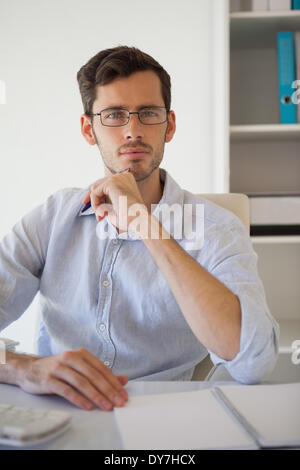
[(297, 85), (286, 77), (296, 5)]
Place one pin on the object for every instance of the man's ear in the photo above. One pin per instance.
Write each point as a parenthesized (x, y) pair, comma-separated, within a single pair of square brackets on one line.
[(171, 126), (87, 129)]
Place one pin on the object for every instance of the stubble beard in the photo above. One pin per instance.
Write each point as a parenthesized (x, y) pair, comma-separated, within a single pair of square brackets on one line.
[(139, 174)]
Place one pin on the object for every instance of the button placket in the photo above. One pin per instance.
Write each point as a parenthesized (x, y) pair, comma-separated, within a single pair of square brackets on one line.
[(105, 293)]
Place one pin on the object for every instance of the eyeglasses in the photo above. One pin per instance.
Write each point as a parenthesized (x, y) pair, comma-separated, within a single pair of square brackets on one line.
[(114, 117)]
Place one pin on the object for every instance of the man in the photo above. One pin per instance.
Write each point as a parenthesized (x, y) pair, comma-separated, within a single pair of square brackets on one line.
[(125, 300)]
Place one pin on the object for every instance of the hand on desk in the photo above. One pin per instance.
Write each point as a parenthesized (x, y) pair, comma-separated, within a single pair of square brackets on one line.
[(77, 376)]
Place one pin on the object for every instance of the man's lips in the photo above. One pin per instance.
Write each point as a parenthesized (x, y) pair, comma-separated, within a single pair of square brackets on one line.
[(132, 153)]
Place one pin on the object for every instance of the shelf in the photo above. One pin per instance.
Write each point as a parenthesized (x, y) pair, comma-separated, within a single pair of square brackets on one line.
[(265, 16), (256, 28), (276, 239), (265, 131), (289, 332), (264, 154)]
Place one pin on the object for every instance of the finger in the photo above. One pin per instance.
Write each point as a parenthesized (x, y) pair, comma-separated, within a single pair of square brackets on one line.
[(98, 188), (97, 198), (105, 371), (87, 198), (81, 384), (98, 376), (123, 379), (64, 390), (104, 210)]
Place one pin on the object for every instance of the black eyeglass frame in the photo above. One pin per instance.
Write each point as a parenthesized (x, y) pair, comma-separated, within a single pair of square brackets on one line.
[(132, 112)]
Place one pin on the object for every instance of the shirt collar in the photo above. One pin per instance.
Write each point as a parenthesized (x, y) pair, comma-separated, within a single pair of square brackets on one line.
[(172, 196), (87, 212), (172, 193)]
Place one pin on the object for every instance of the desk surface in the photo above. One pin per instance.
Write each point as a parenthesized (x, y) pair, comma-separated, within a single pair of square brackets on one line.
[(94, 429)]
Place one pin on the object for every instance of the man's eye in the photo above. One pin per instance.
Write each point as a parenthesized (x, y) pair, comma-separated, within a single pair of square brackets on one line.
[(149, 113), (115, 115)]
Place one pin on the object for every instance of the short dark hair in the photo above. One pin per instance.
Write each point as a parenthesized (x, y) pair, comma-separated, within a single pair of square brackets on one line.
[(110, 64)]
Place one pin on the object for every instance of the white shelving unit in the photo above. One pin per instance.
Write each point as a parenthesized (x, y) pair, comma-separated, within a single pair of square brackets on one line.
[(265, 131), (279, 239), (264, 154)]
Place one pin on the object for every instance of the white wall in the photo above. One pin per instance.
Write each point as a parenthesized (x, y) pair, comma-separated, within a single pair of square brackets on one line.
[(43, 44)]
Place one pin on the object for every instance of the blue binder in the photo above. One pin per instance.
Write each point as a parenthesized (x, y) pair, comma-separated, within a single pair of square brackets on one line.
[(286, 76), (296, 5)]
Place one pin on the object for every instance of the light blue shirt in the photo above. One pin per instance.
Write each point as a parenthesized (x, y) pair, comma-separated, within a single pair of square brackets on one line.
[(109, 297)]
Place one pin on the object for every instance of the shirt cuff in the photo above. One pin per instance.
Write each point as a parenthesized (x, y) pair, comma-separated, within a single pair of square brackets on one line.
[(258, 346)]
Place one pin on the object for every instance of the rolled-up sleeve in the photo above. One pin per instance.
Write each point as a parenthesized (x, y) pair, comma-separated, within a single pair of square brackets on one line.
[(234, 263)]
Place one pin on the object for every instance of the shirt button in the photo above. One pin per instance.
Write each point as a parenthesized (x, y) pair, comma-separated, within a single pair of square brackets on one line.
[(106, 283), (106, 363), (102, 327)]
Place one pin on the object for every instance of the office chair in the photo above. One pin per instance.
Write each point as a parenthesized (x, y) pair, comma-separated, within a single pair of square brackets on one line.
[(239, 205)]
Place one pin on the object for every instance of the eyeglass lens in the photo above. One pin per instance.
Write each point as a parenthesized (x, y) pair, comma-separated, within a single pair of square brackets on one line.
[(120, 117)]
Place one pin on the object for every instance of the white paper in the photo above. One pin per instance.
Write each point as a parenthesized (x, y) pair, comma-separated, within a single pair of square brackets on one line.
[(273, 410), (186, 420)]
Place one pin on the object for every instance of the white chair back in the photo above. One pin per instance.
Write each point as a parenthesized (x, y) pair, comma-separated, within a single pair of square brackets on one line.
[(240, 206)]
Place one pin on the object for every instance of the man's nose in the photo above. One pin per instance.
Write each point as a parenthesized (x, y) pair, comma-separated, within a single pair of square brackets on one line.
[(134, 129)]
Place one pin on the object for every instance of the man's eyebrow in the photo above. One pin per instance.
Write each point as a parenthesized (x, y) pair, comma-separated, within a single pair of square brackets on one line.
[(142, 106)]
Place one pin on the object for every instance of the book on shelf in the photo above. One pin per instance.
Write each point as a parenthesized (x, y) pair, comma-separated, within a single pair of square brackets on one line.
[(297, 85), (286, 77), (296, 4), (275, 213)]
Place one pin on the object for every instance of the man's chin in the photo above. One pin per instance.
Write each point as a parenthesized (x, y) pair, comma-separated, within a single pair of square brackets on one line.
[(140, 174)]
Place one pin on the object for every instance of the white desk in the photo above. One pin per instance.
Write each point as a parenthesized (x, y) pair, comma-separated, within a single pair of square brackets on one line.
[(94, 429)]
